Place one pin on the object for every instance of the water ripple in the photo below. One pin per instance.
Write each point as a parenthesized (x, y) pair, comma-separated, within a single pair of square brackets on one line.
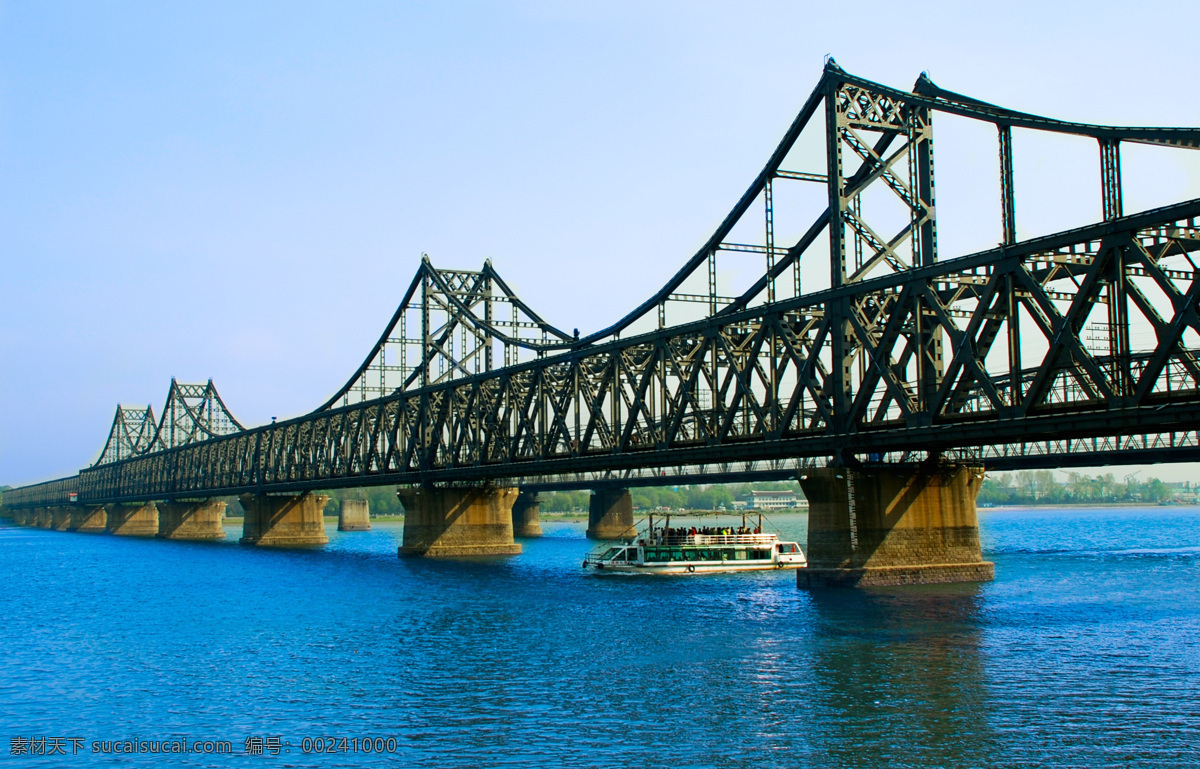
[(1084, 652)]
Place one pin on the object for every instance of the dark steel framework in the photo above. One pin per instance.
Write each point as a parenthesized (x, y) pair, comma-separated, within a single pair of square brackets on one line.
[(1019, 356), (450, 324), (193, 413)]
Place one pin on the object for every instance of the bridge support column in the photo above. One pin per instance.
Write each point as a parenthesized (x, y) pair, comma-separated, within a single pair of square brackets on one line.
[(354, 515), (457, 522), (61, 520), (137, 520), (291, 521), (526, 512), (89, 519), (200, 520), (900, 525), (610, 514), (45, 518)]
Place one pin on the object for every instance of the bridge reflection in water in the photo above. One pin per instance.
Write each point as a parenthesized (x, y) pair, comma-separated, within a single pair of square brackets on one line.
[(890, 384), (911, 662)]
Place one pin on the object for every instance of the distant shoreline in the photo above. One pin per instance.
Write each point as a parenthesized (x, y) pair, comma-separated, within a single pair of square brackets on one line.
[(1077, 505)]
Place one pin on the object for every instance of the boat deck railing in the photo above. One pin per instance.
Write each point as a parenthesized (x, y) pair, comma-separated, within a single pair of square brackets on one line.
[(702, 540)]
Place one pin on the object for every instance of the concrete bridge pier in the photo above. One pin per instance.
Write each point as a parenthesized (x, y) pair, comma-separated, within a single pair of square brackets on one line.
[(610, 514), (526, 515), (136, 520), (60, 518), (89, 519), (354, 515), (899, 525), (284, 521), (198, 520), (45, 518), (458, 521)]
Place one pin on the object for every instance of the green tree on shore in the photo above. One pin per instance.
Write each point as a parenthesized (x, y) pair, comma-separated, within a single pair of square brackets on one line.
[(1038, 487), (691, 497)]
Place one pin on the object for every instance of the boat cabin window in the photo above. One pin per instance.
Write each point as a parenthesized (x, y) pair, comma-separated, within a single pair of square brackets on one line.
[(786, 547)]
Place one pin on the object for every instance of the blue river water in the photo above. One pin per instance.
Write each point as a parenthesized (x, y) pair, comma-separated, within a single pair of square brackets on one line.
[(1085, 652)]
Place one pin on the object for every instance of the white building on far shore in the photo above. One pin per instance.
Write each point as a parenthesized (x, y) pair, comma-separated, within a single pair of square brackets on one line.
[(775, 500)]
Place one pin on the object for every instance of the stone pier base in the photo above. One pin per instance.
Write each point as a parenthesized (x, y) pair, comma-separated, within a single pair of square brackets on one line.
[(354, 515), (526, 515), (458, 522), (610, 514), (60, 518), (89, 519), (888, 576), (138, 520), (194, 521), (45, 518), (899, 525), (292, 521)]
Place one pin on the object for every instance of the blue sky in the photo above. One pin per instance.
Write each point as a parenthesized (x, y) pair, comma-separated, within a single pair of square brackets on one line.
[(242, 191)]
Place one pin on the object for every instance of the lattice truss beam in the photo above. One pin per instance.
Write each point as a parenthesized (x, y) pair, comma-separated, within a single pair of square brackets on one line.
[(449, 325), (193, 413), (764, 382), (1092, 331), (880, 214)]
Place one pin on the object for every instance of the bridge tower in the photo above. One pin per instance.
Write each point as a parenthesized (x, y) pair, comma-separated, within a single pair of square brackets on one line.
[(884, 524), (453, 325)]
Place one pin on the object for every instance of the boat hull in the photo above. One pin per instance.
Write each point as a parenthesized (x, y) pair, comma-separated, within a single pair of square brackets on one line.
[(692, 568)]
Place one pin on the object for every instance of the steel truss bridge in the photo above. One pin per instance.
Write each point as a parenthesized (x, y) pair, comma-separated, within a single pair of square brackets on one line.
[(1023, 355)]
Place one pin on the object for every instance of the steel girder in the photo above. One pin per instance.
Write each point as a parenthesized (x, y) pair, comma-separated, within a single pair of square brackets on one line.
[(58, 492), (449, 325), (760, 384), (193, 413), (132, 433), (1082, 342)]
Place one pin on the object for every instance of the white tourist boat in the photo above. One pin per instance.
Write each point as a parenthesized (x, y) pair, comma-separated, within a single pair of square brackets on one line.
[(692, 550)]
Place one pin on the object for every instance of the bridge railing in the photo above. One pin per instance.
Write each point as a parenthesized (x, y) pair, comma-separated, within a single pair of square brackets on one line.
[(63, 491), (693, 540)]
